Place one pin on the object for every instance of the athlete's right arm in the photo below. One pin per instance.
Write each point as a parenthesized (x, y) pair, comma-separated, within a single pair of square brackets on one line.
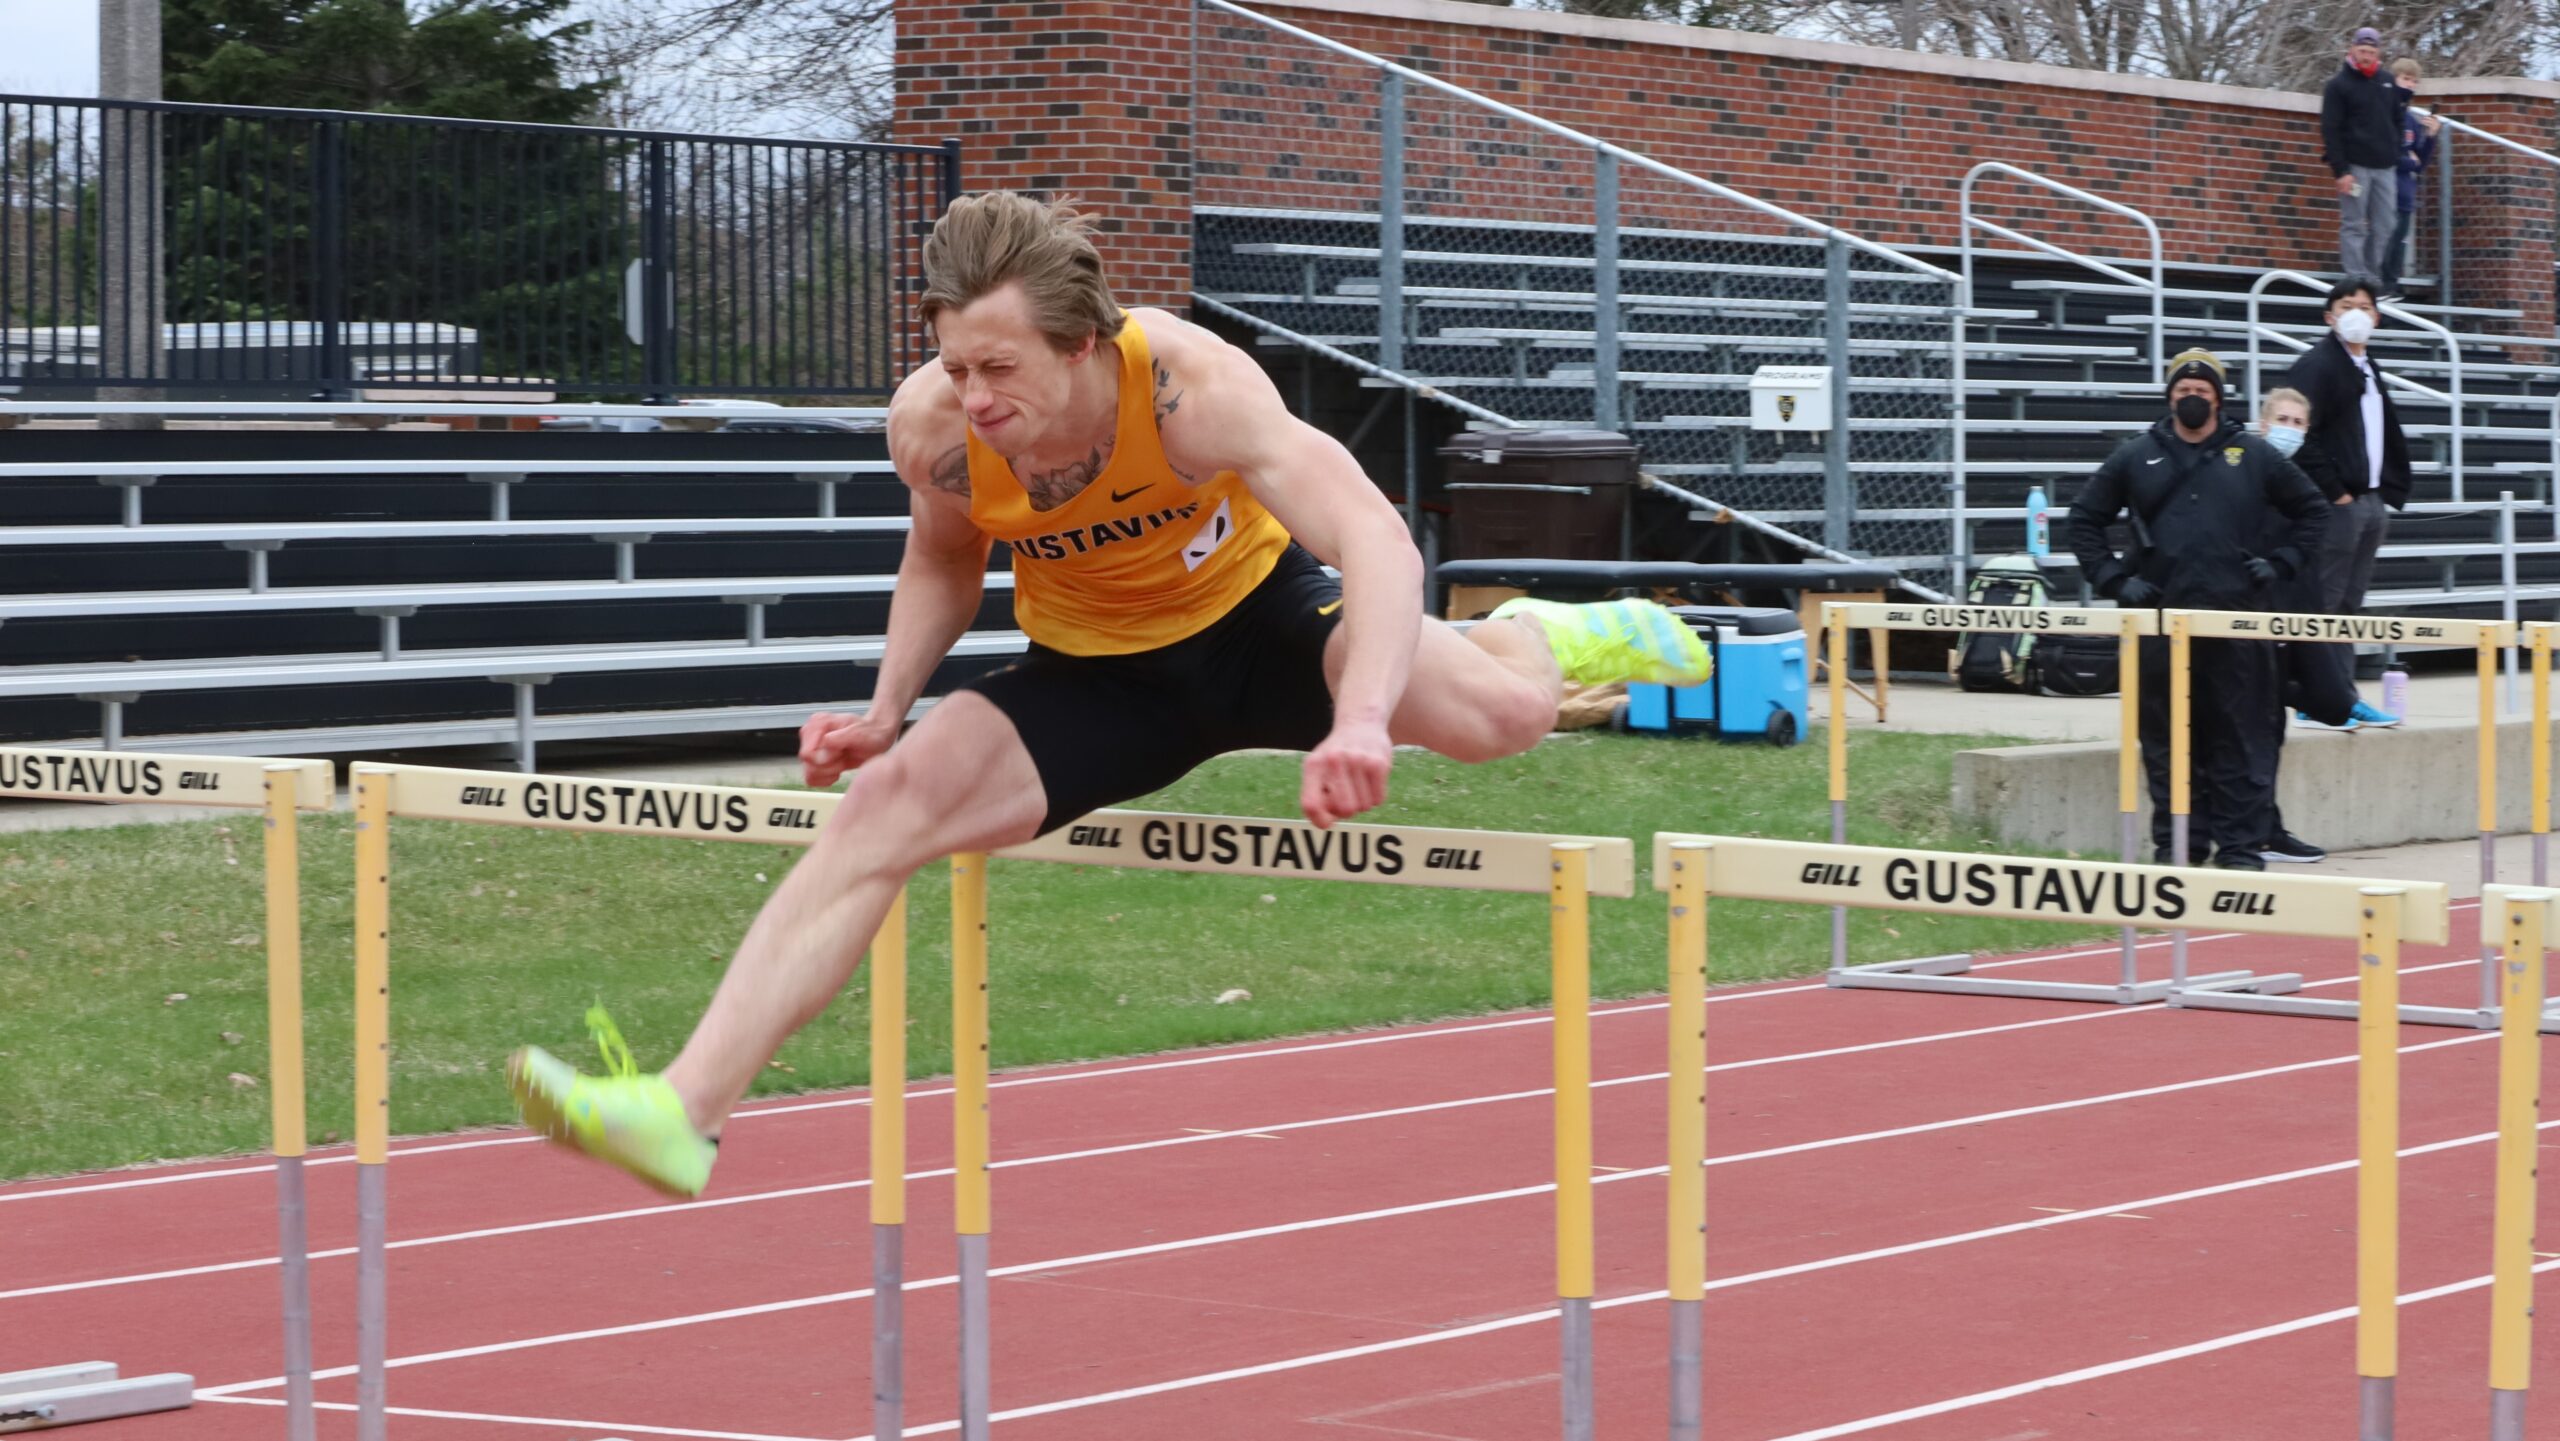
[(941, 580)]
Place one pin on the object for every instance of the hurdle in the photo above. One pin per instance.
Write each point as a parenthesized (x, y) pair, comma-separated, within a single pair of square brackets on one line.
[(2379, 917), (1947, 973), (2485, 638), (1567, 869), (92, 1390)]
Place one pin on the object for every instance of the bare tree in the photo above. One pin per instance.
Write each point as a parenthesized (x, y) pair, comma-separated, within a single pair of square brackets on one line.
[(819, 68)]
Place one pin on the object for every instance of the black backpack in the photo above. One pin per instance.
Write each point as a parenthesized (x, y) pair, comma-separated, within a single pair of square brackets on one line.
[(2081, 665), (2000, 660)]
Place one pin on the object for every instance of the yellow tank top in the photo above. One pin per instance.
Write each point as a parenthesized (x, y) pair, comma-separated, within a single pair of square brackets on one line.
[(1139, 558)]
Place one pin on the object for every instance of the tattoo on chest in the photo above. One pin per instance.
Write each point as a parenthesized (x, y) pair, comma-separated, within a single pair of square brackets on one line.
[(950, 473), (1050, 489)]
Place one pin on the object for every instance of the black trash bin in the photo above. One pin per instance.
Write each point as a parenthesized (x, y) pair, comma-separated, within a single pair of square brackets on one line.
[(1560, 494)]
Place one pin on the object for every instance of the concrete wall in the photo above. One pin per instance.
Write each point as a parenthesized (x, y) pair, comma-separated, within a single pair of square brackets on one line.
[(2344, 791)]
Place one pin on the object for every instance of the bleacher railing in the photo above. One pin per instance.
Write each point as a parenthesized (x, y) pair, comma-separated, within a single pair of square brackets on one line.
[(196, 247), (1500, 231), (2443, 166)]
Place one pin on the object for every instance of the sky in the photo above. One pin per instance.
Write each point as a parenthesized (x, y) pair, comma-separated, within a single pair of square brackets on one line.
[(53, 47)]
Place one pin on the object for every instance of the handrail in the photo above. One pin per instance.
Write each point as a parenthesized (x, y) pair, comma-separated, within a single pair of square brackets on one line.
[(1589, 142), (1758, 526), (2452, 351), (2493, 137), (1968, 222), (1396, 378)]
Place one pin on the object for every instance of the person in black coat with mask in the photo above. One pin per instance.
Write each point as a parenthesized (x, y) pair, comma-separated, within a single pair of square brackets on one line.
[(2201, 495)]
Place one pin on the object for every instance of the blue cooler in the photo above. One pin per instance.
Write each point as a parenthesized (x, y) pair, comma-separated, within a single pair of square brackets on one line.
[(1757, 692)]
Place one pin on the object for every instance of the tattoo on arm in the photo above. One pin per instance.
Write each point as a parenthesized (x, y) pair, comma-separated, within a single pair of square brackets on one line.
[(951, 472), (1168, 400)]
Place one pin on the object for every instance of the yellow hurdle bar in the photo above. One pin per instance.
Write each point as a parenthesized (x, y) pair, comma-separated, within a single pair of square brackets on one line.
[(2489, 642), (971, 1205), (1943, 973), (373, 788), (283, 787), (2539, 634), (1569, 927), (2526, 916), (2035, 888), (2378, 1162), (889, 1170), (40, 773), (1688, 1171)]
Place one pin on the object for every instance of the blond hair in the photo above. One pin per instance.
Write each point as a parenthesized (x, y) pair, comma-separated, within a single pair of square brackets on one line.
[(987, 241), (2407, 69), (2267, 405)]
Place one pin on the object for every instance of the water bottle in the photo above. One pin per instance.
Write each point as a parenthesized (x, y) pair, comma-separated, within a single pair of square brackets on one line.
[(2039, 524), (2395, 692)]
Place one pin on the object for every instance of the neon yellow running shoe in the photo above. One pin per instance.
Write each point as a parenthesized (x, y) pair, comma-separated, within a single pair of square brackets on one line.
[(1614, 640), (623, 1118)]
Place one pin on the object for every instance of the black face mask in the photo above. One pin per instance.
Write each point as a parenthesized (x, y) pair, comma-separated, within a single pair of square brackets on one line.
[(2192, 411)]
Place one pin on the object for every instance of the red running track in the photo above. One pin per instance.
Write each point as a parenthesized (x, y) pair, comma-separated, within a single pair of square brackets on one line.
[(1935, 1218)]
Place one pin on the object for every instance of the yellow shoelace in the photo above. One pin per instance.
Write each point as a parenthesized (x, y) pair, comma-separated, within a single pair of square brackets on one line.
[(617, 1056)]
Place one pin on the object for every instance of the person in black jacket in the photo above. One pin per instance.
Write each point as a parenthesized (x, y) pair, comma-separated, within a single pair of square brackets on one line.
[(2360, 115), (2201, 493), (2356, 452)]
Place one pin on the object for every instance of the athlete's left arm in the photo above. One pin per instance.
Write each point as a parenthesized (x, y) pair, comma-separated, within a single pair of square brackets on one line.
[(1216, 410)]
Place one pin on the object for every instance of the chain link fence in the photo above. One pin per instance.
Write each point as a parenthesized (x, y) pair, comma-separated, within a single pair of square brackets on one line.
[(1532, 267)]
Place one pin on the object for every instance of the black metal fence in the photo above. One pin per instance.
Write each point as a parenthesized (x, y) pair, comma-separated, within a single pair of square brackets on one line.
[(239, 250)]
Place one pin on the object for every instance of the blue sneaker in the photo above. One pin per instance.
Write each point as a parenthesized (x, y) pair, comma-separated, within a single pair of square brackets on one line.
[(2304, 718), (2374, 716)]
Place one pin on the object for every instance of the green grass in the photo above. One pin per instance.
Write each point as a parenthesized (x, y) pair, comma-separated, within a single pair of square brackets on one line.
[(501, 937)]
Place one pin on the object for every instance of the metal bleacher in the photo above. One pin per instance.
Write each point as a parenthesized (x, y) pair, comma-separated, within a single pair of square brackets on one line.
[(526, 596)]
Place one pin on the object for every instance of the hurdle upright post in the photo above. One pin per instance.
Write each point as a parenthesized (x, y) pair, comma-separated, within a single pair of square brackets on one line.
[(2487, 647), (1835, 632), (889, 1170), (2128, 774), (2519, 1139), (373, 1091), (971, 1203), (2540, 761), (2378, 1162), (1569, 926), (2181, 702), (1688, 1176), (285, 1085)]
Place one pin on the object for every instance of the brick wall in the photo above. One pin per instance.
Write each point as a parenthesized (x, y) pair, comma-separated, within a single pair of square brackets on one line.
[(1091, 97), (1871, 140)]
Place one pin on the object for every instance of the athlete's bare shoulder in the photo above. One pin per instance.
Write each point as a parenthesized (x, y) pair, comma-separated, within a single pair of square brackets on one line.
[(928, 436), (1212, 401)]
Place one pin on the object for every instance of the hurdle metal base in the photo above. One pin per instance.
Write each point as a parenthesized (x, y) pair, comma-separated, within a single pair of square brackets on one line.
[(2506, 1415), (2375, 1404), (1946, 974), (53, 1396), (2203, 994), (888, 1329), (974, 1371)]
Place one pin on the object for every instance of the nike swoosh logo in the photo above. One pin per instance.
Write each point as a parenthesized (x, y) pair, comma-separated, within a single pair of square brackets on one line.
[(1329, 609), (2157, 460), (1118, 496)]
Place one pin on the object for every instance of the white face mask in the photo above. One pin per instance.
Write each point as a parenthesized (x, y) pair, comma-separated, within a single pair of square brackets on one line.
[(2355, 327), (2285, 438)]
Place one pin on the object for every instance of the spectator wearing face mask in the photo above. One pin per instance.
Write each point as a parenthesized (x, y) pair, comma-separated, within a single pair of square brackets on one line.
[(2417, 148), (2315, 681), (2354, 451), (2219, 520)]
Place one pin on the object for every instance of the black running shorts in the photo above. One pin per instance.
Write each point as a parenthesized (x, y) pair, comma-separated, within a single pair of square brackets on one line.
[(1104, 729)]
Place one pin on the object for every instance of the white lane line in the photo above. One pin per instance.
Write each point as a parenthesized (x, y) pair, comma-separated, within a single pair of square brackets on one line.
[(598, 1427), (1329, 1222), (514, 1137), (1260, 1132), (1431, 1338), (2130, 1363)]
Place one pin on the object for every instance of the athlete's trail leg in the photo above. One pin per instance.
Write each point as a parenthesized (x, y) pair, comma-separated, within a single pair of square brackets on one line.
[(1478, 697), (960, 781)]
